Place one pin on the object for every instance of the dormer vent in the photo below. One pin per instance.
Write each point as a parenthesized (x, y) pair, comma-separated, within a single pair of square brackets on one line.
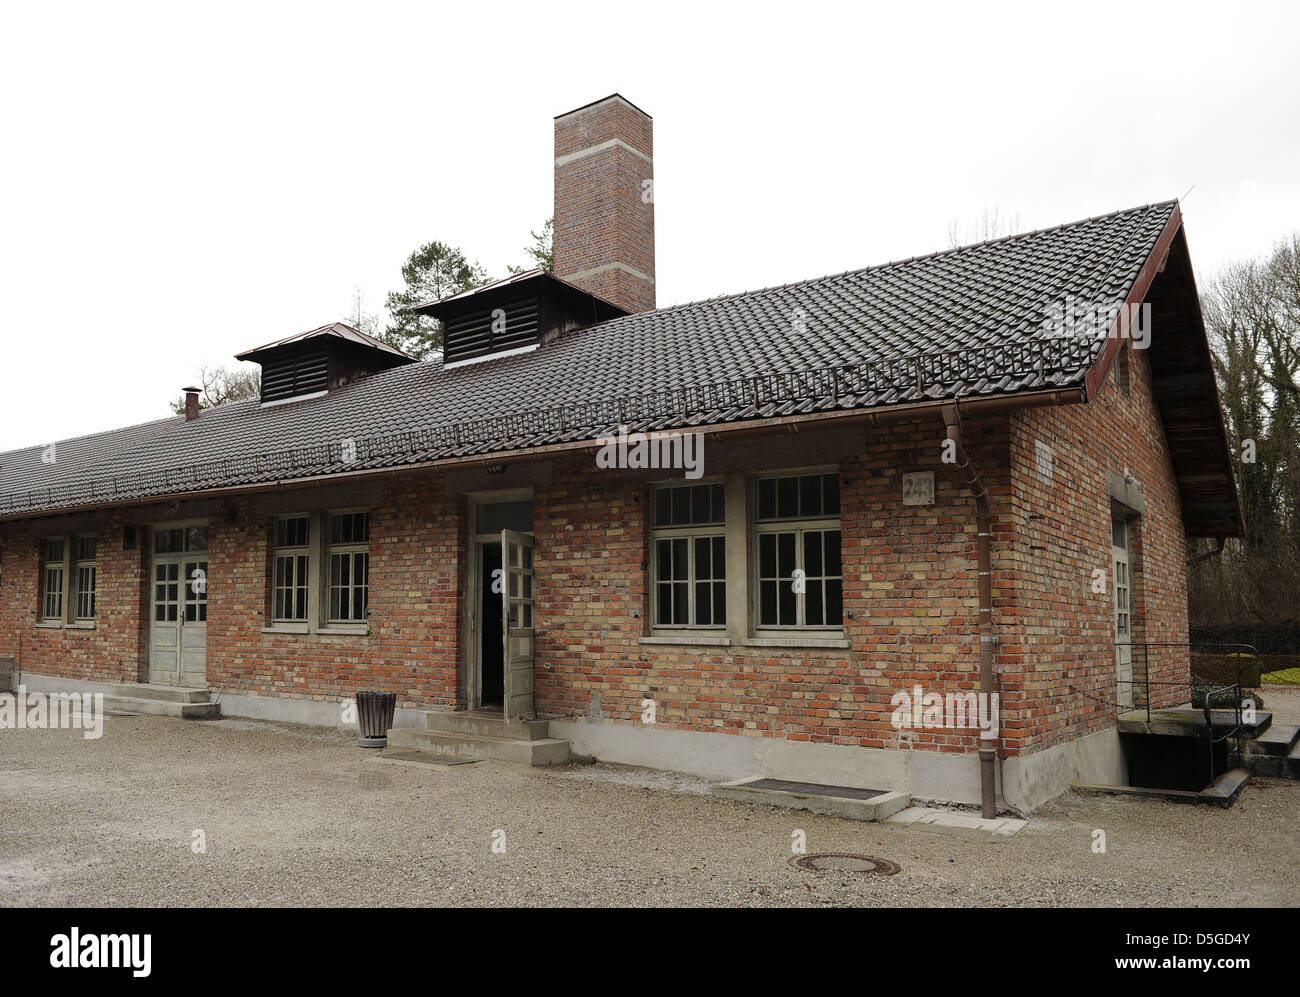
[(312, 363)]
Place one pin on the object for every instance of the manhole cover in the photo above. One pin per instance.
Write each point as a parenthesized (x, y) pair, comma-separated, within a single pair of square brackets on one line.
[(868, 865)]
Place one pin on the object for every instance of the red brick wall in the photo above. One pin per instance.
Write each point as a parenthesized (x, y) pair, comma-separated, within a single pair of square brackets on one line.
[(909, 589), (1061, 634), (601, 216), (111, 652)]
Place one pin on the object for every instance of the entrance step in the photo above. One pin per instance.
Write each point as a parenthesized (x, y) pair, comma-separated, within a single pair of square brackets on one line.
[(1274, 753), (161, 701), (476, 735), (486, 725), (835, 801)]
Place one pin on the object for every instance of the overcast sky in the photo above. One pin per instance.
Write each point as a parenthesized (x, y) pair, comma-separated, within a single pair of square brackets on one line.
[(180, 183)]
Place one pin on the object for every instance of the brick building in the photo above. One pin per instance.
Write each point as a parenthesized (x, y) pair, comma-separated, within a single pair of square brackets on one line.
[(967, 472)]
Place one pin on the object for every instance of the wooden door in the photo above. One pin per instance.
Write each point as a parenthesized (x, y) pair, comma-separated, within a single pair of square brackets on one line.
[(517, 624)]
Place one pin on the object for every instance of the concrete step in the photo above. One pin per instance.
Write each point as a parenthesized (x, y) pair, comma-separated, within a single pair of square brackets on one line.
[(163, 693), (1274, 766), (544, 751), (161, 708), (1279, 740), (486, 725), (1225, 788), (835, 801)]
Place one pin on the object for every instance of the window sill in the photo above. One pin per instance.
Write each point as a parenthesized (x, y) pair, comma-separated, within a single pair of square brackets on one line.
[(49, 625), (331, 630), (81, 625), (699, 640), (798, 640)]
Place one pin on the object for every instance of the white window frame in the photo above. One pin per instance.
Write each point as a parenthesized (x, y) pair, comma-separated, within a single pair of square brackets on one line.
[(798, 526), (59, 593), (79, 565), (350, 550), (692, 532), (292, 553)]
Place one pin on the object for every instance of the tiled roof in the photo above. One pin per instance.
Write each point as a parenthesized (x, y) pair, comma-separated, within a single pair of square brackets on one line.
[(967, 322)]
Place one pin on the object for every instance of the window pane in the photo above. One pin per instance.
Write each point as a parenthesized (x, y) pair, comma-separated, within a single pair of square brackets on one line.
[(832, 548), (681, 505), (719, 557), (834, 603), (700, 512), (787, 497), (664, 601), (767, 603), (664, 559), (814, 611), (85, 548), (785, 556), (812, 554), (703, 604), (786, 602), (196, 538), (53, 550), (767, 555), (767, 498), (810, 495), (681, 593), (719, 603)]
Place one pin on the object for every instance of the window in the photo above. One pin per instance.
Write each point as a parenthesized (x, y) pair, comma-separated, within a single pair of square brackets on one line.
[(797, 539), (84, 577), (290, 569), (689, 556), (347, 554), (54, 573), (68, 579)]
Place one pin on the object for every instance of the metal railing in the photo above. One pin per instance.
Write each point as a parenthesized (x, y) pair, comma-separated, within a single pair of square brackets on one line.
[(847, 386)]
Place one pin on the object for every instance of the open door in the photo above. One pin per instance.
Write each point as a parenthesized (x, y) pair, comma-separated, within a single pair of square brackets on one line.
[(1123, 589), (517, 624)]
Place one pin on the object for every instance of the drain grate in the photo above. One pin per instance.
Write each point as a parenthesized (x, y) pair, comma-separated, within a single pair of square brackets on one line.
[(867, 865)]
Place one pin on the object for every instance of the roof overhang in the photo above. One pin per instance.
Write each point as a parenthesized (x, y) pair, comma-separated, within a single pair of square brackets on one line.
[(1183, 386)]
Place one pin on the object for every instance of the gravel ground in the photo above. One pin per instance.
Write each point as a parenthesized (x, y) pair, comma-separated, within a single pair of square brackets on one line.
[(300, 816)]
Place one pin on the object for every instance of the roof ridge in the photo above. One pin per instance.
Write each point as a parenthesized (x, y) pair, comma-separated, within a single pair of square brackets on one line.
[(893, 263)]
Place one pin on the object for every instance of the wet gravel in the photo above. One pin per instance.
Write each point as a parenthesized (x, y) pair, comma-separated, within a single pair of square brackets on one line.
[(300, 816)]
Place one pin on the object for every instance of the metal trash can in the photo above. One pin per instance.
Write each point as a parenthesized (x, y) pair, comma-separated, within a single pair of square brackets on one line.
[(375, 715)]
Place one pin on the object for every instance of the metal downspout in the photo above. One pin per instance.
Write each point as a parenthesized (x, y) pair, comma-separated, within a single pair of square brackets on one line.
[(983, 546)]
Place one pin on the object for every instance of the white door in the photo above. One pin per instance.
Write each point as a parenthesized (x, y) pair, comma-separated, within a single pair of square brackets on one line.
[(517, 624), (1121, 585), (179, 607)]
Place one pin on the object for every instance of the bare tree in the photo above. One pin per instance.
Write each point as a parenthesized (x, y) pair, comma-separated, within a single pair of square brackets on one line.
[(221, 386)]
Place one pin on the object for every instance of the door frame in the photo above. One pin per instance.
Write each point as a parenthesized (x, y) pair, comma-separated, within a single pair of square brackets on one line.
[(180, 558), (1124, 690), (471, 616)]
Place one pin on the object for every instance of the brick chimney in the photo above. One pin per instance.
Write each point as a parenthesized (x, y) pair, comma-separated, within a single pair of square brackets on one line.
[(604, 202), (191, 404)]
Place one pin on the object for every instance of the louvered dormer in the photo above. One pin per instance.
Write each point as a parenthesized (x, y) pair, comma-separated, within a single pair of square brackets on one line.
[(311, 363), (513, 315)]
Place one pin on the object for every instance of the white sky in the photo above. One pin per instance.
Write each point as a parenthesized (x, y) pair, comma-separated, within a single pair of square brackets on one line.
[(181, 182)]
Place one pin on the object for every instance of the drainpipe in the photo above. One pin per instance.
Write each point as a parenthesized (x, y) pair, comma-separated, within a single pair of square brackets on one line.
[(983, 546)]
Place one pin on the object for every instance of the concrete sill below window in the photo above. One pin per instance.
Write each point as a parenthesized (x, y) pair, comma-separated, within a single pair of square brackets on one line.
[(698, 640), (48, 625), (82, 625), (829, 643), (302, 629)]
